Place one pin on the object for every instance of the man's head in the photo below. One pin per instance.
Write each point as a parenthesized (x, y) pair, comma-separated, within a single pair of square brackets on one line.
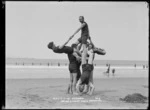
[(90, 46), (81, 19), (74, 46), (81, 88), (51, 45)]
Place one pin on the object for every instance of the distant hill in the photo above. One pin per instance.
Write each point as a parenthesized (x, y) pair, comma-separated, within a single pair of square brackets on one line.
[(30, 61)]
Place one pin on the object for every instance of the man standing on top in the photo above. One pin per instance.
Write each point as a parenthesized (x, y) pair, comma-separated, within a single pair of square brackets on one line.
[(84, 35)]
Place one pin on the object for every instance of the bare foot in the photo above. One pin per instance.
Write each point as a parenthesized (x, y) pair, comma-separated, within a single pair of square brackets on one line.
[(89, 93), (84, 91), (67, 92), (75, 93), (80, 94)]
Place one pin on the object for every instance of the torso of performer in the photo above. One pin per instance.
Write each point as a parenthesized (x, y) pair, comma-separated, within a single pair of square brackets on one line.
[(85, 30)]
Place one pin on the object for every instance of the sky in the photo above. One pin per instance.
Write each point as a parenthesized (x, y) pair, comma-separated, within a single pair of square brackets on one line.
[(121, 28)]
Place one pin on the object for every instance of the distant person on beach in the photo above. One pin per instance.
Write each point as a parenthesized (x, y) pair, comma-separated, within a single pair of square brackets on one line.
[(113, 72), (135, 65), (108, 70), (147, 66)]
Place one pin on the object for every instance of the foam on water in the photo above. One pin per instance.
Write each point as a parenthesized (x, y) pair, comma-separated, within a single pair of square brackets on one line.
[(17, 72)]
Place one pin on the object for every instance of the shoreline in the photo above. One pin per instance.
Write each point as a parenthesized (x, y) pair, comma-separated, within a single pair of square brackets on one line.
[(64, 67), (119, 78), (21, 72)]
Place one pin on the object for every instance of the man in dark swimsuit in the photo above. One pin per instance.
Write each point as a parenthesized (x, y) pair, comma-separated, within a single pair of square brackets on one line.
[(74, 59), (74, 68)]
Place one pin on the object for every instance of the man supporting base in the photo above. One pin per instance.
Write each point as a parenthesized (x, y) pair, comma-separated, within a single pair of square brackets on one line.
[(74, 59)]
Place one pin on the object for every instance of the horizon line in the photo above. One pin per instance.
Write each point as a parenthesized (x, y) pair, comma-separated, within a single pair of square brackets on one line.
[(66, 59)]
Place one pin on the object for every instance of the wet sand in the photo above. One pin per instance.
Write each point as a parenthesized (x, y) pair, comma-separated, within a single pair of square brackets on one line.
[(47, 93)]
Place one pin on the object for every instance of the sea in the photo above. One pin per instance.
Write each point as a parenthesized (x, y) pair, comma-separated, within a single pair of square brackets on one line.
[(65, 62)]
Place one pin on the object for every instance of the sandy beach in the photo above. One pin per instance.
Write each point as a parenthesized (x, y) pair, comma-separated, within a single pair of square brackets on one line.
[(36, 88)]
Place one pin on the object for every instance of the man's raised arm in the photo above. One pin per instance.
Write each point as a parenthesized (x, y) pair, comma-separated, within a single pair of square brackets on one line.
[(60, 47), (78, 30)]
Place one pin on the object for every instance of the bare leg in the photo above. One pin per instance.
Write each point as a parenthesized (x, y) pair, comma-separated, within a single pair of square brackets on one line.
[(85, 88), (89, 89), (84, 54), (71, 82), (77, 86), (91, 80), (68, 89), (91, 77), (74, 82), (92, 88)]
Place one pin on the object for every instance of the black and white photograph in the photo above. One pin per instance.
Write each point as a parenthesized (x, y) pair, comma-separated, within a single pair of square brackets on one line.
[(76, 55)]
